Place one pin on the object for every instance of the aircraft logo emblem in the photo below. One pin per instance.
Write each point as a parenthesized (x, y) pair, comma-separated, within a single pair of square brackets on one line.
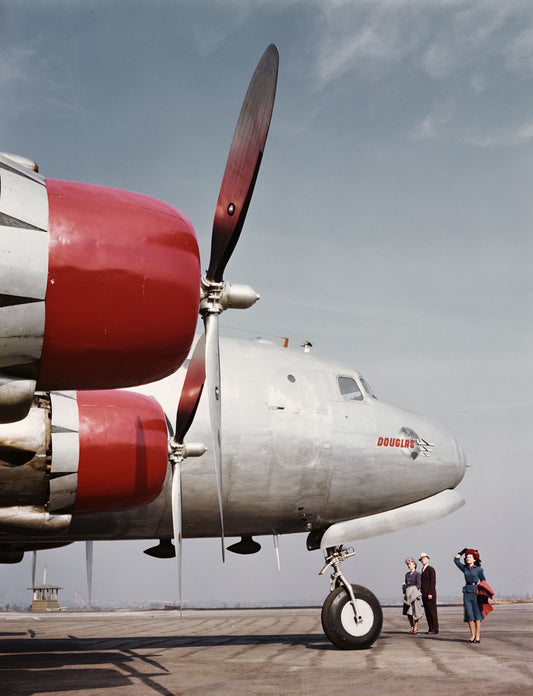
[(409, 442)]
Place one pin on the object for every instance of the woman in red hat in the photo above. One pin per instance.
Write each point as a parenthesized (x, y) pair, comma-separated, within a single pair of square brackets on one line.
[(473, 574)]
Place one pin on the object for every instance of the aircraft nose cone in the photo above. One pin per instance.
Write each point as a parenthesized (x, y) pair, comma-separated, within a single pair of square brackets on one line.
[(460, 461)]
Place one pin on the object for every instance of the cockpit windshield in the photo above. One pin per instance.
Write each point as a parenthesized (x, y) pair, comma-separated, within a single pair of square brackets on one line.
[(367, 387), (349, 389)]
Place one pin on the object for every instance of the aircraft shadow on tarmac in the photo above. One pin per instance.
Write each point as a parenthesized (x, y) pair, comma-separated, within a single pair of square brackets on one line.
[(57, 664), (74, 645)]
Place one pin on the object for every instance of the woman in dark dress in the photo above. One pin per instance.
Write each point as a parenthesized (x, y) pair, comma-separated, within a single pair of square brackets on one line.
[(473, 574), (411, 599)]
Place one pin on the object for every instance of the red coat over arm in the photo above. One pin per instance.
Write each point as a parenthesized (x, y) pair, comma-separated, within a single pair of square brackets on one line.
[(484, 591)]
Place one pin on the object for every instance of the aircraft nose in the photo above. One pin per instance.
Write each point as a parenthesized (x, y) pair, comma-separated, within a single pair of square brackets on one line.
[(460, 461)]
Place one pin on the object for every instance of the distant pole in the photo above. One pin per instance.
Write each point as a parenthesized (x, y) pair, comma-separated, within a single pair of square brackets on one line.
[(44, 576)]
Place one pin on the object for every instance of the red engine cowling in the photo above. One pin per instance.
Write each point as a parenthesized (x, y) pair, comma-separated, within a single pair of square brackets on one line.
[(123, 288), (80, 452), (99, 288), (123, 453)]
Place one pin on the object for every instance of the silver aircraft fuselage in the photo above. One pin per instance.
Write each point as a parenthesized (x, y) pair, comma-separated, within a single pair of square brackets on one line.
[(298, 453)]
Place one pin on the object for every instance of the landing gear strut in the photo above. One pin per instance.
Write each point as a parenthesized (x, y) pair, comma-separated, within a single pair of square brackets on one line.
[(351, 615)]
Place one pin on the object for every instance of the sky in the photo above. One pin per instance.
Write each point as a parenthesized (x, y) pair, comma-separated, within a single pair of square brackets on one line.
[(390, 227)]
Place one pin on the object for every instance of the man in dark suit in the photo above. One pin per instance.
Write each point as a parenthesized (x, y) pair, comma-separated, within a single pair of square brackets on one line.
[(429, 593)]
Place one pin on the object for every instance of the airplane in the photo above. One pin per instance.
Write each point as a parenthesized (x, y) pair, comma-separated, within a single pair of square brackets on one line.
[(267, 440)]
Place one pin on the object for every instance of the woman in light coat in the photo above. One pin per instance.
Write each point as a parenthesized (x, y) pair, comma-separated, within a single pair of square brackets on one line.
[(412, 607)]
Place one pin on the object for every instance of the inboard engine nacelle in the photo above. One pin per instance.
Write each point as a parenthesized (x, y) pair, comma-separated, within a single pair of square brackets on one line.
[(80, 452)]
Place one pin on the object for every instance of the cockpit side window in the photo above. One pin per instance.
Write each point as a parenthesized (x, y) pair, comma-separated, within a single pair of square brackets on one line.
[(349, 389), (367, 387)]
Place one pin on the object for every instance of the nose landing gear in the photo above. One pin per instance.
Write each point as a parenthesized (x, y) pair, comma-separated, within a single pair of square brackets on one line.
[(351, 615)]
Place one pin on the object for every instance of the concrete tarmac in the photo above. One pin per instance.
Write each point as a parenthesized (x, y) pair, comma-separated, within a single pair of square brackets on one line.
[(260, 651)]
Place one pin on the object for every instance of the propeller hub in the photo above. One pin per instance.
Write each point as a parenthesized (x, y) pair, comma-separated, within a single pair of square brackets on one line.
[(217, 297), (238, 296), (180, 451), (175, 451), (211, 296)]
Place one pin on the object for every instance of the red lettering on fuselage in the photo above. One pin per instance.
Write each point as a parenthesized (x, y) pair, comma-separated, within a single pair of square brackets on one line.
[(395, 442)]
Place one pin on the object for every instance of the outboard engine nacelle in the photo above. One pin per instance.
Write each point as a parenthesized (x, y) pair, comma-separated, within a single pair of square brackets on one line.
[(99, 288)]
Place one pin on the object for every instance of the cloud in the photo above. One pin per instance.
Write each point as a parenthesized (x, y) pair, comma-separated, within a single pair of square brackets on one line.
[(15, 65), (519, 52), (364, 37), (466, 34), (522, 134), (27, 77), (444, 123), (441, 38), (212, 24), (461, 64), (16, 81), (433, 123)]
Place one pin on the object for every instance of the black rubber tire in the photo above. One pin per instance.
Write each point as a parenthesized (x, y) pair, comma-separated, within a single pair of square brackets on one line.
[(339, 623)]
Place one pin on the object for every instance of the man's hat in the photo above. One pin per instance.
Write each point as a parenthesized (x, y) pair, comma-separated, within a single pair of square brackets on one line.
[(424, 554)]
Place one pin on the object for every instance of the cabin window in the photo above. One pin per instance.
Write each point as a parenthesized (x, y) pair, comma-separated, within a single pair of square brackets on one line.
[(349, 389)]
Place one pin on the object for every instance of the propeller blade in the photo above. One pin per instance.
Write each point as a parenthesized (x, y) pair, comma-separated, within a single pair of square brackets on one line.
[(189, 399), (89, 564), (177, 519), (276, 547), (212, 359), (243, 162), (33, 567), (191, 391)]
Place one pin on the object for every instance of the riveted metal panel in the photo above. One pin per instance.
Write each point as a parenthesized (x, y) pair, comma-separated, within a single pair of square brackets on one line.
[(63, 492), (22, 198), (23, 279), (7, 162), (23, 256), (65, 451), (21, 334), (65, 415)]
